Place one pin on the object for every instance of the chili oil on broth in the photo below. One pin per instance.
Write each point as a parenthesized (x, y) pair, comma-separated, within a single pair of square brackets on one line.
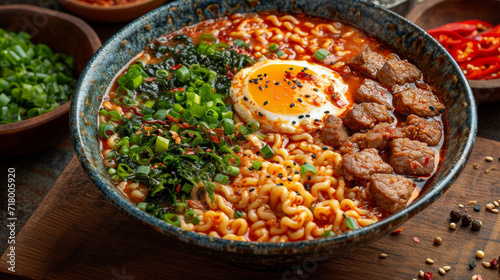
[(275, 202)]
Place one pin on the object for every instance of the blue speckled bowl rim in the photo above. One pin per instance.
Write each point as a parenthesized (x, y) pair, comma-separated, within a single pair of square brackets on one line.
[(258, 248)]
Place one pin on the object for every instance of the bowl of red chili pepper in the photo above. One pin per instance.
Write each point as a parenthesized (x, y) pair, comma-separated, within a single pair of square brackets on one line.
[(470, 32), (110, 10)]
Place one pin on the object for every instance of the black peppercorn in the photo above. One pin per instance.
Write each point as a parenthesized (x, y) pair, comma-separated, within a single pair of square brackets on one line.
[(477, 207), (466, 220), (476, 225), (455, 215)]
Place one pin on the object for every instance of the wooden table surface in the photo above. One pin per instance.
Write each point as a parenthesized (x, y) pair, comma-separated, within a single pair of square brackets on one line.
[(77, 234)]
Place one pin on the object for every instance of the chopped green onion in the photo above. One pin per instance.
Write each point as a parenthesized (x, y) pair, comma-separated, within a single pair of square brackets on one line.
[(267, 152), (351, 222), (280, 53), (256, 164), (221, 178), (274, 47), (191, 217), (183, 74), (161, 144), (237, 214), (142, 171), (308, 168), (328, 233), (240, 43), (321, 54), (228, 125), (172, 219)]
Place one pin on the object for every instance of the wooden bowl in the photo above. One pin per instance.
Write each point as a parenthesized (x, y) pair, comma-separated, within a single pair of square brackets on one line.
[(433, 13), (63, 33), (119, 13)]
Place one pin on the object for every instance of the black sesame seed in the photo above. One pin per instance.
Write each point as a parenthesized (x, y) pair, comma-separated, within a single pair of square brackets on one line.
[(300, 100), (313, 156), (289, 179), (291, 105), (432, 108), (324, 148), (294, 86), (301, 116), (315, 89), (265, 103), (260, 114), (245, 98), (277, 83), (260, 87), (280, 175), (251, 189)]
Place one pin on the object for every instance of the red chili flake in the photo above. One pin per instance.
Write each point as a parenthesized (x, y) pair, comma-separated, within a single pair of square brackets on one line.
[(427, 276), (150, 79), (177, 89), (176, 66), (416, 240), (494, 263), (398, 231)]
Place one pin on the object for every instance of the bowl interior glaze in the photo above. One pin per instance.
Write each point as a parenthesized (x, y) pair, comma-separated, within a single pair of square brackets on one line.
[(440, 69)]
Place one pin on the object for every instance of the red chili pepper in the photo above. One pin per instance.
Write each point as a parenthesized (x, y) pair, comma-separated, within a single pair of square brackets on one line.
[(465, 28), (428, 276), (466, 50), (490, 44), (481, 67), (176, 66), (446, 38)]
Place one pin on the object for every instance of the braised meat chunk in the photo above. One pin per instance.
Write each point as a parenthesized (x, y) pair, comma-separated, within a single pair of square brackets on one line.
[(369, 62), (411, 157), (363, 164), (419, 102), (427, 131), (390, 192), (398, 72), (365, 116), (333, 132), (371, 91)]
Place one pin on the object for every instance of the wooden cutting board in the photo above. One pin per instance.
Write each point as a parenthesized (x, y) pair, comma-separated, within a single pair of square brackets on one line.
[(77, 234)]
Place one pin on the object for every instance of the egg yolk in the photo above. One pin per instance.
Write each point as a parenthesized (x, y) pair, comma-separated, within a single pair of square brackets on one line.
[(284, 89)]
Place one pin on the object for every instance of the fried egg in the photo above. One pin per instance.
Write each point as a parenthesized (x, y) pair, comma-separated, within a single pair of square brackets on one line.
[(288, 96)]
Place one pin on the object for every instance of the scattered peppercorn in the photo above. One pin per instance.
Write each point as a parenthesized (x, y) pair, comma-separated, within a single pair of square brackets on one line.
[(455, 215), (472, 264), (438, 240), (477, 207), (466, 220), (476, 225)]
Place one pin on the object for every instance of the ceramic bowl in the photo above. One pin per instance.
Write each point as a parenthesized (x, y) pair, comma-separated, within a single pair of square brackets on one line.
[(407, 38), (434, 13), (118, 13), (48, 27)]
